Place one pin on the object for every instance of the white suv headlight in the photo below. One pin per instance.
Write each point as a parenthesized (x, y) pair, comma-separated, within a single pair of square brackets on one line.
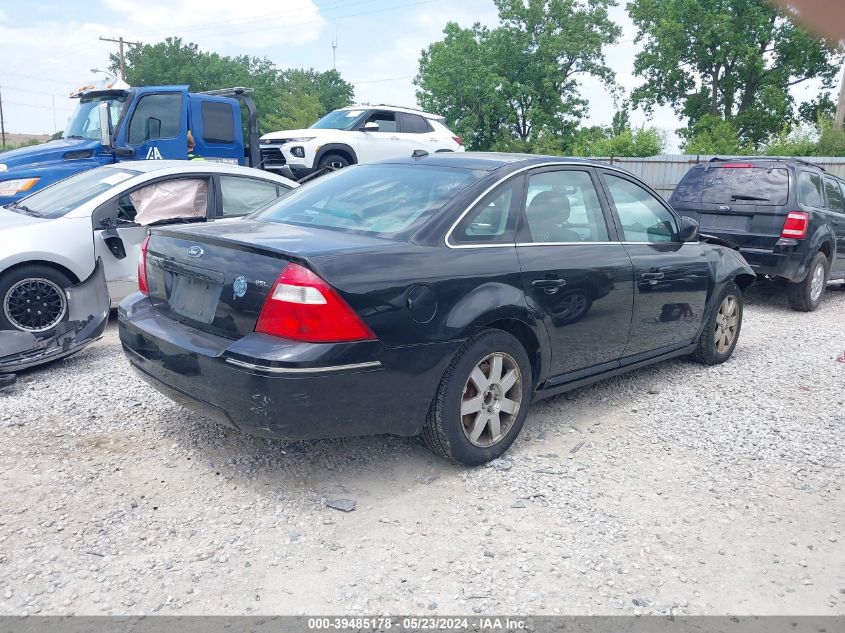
[(3, 167), (303, 139)]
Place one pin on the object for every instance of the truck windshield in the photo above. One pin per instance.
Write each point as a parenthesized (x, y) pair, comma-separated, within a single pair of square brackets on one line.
[(63, 197), (85, 120), (339, 120)]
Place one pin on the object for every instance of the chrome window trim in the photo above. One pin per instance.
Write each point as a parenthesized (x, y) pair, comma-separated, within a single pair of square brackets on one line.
[(510, 175), (301, 370)]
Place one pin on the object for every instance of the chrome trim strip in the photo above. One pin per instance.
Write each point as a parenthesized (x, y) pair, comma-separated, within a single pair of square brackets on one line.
[(503, 179), (301, 370)]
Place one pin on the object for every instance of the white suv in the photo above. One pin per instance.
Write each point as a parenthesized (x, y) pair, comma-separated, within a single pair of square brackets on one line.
[(356, 134)]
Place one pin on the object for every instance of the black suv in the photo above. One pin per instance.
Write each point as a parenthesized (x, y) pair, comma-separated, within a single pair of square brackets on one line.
[(786, 215)]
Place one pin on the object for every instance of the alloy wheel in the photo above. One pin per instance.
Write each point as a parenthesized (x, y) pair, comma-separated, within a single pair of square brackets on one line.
[(35, 304), (491, 399), (727, 323), (817, 283)]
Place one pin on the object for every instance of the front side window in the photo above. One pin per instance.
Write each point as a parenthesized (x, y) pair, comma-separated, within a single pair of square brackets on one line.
[(835, 202), (492, 220), (375, 199), (245, 195), (810, 190), (562, 206), (386, 121), (643, 217), (155, 117)]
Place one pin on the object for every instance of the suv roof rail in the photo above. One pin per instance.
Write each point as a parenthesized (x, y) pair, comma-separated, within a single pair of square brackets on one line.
[(719, 159)]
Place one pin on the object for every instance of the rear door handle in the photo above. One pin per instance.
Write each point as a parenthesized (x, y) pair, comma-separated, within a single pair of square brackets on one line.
[(651, 276), (549, 286), (394, 138)]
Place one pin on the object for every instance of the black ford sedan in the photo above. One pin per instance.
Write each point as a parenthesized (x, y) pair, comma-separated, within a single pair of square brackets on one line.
[(437, 294)]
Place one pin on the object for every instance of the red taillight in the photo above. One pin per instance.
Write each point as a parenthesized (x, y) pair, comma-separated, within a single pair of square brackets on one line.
[(458, 140), (142, 267), (303, 307), (796, 225)]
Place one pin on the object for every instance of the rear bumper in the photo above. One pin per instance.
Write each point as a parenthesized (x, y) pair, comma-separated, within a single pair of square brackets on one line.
[(777, 262), (274, 388)]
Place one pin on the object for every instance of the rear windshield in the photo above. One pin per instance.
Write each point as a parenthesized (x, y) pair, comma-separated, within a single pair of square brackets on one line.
[(723, 185), (375, 199)]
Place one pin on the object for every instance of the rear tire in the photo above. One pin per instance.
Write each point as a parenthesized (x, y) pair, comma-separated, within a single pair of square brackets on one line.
[(805, 296), (482, 400), (334, 160), (33, 298), (721, 331)]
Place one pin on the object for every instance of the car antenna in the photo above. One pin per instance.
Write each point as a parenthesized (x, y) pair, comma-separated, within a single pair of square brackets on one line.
[(419, 153)]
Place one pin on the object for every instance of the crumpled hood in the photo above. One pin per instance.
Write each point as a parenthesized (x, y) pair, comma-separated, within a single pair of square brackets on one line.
[(304, 133), (36, 155)]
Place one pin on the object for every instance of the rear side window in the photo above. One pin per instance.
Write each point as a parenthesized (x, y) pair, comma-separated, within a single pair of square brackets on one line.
[(244, 195), (724, 185), (414, 124), (810, 189), (156, 116), (835, 201), (218, 122), (491, 221)]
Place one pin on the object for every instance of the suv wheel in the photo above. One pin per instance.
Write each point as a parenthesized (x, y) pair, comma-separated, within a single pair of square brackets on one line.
[(482, 401), (335, 161), (806, 296), (721, 331)]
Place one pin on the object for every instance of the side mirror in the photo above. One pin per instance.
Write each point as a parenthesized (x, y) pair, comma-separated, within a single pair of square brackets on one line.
[(370, 126), (688, 230), (105, 124), (115, 244), (152, 129), (124, 152)]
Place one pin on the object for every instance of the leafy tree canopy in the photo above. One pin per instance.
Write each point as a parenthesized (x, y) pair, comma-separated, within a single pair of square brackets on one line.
[(516, 86), (282, 96), (730, 59)]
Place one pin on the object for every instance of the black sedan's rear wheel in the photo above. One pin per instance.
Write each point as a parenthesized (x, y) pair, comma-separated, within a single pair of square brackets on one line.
[(482, 400), (34, 299), (721, 331)]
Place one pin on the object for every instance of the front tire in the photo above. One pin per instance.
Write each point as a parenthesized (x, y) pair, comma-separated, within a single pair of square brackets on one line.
[(482, 400), (335, 161), (806, 295), (721, 331), (33, 298)]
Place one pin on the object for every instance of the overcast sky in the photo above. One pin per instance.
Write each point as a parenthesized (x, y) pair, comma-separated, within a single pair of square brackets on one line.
[(47, 48)]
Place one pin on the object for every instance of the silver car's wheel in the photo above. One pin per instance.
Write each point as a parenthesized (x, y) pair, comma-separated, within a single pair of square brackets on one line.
[(35, 304), (727, 322), (491, 399)]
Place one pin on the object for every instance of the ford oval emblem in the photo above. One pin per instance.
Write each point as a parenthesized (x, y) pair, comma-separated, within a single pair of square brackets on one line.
[(239, 287), (195, 251)]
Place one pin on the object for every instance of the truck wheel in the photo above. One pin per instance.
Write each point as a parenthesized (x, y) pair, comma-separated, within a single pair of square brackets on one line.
[(335, 161), (482, 400), (34, 298), (721, 331), (806, 295)]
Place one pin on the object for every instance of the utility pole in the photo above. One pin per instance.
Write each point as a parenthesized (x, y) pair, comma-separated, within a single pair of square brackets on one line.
[(840, 106), (2, 123), (334, 51), (120, 41)]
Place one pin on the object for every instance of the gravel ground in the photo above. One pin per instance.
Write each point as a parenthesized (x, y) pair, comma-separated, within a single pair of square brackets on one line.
[(677, 488)]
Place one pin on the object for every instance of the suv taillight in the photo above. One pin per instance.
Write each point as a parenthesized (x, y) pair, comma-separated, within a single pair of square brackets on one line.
[(142, 267), (796, 225), (303, 307), (458, 140)]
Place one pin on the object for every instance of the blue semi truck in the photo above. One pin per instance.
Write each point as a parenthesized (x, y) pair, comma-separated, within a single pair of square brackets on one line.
[(113, 122)]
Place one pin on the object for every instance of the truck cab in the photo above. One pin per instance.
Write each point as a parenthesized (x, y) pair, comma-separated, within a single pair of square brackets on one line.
[(113, 122)]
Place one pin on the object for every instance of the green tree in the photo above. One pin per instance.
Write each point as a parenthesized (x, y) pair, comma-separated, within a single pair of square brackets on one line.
[(714, 135), (516, 84), (627, 142), (277, 94), (732, 59)]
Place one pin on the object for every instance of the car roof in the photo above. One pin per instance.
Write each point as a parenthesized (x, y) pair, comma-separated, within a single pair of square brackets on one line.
[(490, 161), (168, 167), (393, 108)]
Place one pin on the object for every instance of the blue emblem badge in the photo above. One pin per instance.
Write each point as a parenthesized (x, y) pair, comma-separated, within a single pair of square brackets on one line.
[(239, 286)]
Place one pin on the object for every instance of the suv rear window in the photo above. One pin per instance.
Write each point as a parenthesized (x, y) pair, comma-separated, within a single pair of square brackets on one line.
[(724, 185)]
